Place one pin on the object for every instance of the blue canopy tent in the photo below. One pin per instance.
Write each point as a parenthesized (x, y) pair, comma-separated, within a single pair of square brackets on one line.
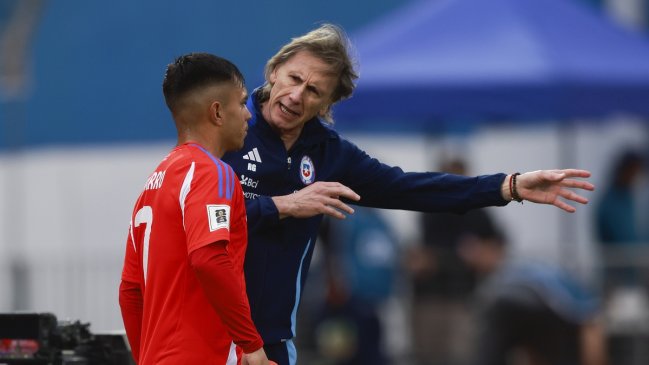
[(444, 65), (497, 59)]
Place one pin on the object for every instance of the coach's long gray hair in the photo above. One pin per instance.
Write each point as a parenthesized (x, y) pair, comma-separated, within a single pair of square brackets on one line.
[(329, 43)]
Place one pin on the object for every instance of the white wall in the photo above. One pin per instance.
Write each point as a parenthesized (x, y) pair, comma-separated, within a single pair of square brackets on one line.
[(68, 218), (64, 211)]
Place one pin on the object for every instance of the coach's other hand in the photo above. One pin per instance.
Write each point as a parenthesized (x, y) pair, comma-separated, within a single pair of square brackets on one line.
[(321, 197)]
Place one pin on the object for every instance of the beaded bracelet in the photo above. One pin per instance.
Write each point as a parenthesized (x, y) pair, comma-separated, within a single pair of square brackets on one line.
[(512, 188)]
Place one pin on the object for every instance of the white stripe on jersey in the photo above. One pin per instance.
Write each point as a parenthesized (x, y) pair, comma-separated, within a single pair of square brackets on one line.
[(130, 231), (232, 357), (184, 190)]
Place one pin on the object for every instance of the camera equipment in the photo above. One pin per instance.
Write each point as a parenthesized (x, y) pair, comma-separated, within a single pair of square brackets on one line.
[(39, 339)]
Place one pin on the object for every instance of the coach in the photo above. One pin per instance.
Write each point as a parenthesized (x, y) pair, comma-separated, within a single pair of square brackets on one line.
[(294, 168)]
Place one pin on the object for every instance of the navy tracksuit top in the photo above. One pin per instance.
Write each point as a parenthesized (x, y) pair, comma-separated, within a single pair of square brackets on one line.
[(279, 251)]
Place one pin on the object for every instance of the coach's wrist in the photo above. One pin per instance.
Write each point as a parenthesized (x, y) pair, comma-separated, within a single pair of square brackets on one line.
[(504, 189), (283, 204)]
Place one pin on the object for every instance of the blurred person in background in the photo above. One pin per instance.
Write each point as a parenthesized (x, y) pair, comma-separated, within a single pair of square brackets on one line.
[(295, 168), (617, 222), (624, 254), (530, 313), (361, 257), (182, 294), (442, 282)]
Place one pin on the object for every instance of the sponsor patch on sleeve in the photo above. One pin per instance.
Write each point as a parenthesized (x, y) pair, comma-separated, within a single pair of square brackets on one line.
[(218, 217)]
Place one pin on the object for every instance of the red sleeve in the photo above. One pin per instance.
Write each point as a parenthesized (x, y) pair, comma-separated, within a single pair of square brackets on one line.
[(217, 276), (207, 213), (131, 304)]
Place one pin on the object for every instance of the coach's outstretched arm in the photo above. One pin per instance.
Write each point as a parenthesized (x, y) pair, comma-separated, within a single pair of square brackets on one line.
[(542, 186), (547, 187)]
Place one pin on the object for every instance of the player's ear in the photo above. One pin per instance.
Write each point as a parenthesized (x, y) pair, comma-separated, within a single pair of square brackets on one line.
[(215, 112)]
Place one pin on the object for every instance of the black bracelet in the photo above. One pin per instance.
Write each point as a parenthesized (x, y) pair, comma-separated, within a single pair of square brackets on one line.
[(514, 192)]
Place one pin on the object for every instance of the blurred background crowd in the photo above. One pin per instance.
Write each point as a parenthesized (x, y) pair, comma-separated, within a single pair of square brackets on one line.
[(513, 85)]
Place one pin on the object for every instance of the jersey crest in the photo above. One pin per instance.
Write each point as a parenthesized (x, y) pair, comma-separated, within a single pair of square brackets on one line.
[(307, 170)]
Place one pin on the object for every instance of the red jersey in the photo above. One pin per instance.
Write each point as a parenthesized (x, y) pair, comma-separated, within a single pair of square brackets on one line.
[(191, 200)]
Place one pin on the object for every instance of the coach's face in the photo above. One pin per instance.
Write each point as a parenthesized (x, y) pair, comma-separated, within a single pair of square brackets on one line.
[(301, 89)]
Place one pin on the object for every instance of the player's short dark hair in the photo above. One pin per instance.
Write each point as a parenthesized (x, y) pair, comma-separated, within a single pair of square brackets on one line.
[(195, 71)]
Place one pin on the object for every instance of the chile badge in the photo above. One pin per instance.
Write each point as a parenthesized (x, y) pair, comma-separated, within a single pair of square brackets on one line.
[(307, 170)]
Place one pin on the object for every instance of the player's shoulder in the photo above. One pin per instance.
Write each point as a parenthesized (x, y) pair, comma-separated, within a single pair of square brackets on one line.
[(194, 154), (178, 158), (188, 153), (181, 159)]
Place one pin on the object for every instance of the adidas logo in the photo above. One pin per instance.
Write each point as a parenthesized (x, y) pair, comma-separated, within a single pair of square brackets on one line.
[(253, 155)]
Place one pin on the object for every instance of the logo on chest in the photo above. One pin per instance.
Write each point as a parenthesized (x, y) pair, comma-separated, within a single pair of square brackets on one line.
[(253, 156), (307, 170), (249, 182)]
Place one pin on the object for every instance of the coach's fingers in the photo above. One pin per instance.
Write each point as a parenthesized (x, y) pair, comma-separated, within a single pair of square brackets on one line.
[(563, 205), (338, 190), (575, 173), (571, 195), (578, 184), (339, 206)]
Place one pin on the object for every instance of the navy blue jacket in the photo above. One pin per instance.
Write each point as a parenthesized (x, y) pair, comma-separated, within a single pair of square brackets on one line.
[(279, 251)]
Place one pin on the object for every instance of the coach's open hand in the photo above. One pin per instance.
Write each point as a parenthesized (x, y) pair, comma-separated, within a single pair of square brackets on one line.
[(548, 186)]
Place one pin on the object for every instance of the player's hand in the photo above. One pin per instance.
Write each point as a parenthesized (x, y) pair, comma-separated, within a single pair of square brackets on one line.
[(321, 197), (549, 186), (256, 358)]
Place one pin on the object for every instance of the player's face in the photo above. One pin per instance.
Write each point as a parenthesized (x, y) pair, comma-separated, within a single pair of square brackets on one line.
[(235, 116), (301, 89)]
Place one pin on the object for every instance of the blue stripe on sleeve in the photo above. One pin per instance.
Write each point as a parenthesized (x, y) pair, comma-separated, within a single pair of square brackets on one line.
[(232, 183), (228, 195), (217, 162)]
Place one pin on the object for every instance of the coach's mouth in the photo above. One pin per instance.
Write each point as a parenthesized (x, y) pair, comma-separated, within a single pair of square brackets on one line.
[(288, 111)]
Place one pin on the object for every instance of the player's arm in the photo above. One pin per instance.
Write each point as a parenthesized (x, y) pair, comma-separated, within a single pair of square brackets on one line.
[(131, 304), (222, 287), (131, 299)]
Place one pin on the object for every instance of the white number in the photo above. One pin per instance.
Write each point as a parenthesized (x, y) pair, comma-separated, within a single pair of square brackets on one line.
[(145, 215)]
